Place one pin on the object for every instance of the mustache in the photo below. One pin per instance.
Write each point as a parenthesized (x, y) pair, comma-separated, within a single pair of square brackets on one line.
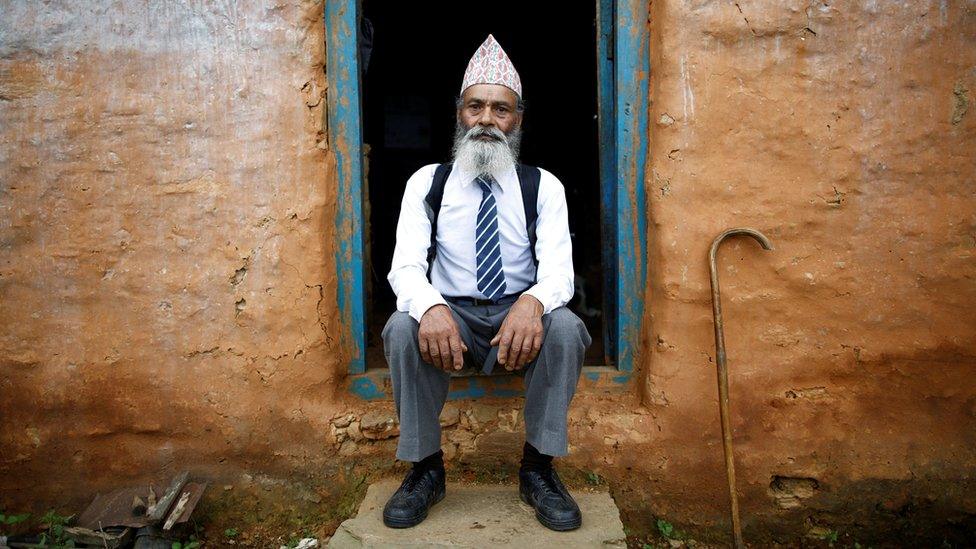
[(478, 132)]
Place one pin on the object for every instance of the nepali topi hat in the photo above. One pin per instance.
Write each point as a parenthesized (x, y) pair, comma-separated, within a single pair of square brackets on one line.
[(491, 65)]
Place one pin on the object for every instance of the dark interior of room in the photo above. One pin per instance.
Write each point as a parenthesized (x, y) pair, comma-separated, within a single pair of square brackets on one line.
[(414, 56)]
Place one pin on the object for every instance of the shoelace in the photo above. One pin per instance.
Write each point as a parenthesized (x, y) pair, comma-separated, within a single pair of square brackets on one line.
[(548, 484), (414, 480)]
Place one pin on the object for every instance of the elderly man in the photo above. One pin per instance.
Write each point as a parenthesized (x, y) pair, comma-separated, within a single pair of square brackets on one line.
[(482, 271)]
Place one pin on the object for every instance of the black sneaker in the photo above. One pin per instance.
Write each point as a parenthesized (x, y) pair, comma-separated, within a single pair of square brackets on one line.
[(420, 490), (554, 507)]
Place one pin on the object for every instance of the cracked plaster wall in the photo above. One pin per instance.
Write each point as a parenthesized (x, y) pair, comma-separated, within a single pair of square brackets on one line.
[(166, 275), (839, 129), (167, 295)]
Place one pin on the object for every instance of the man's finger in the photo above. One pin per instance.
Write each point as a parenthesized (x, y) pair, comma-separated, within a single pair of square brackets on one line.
[(514, 360), (515, 352), (528, 349), (528, 352), (435, 353), (424, 351), (523, 357), (525, 347), (494, 340), (503, 345), (447, 361), (458, 359), (536, 347)]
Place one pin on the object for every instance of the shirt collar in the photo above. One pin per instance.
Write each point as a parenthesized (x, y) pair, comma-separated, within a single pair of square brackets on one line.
[(505, 181)]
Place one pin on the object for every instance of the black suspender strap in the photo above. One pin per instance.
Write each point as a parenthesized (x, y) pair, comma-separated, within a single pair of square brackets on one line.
[(529, 177), (432, 203)]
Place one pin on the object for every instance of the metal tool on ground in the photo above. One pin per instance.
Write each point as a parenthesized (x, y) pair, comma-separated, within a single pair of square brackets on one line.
[(723, 371), (139, 515)]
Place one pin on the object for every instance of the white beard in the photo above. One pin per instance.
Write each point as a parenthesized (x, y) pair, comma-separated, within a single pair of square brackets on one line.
[(493, 157)]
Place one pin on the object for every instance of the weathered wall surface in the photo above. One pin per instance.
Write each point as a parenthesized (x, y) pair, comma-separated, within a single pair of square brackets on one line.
[(167, 288), (846, 133)]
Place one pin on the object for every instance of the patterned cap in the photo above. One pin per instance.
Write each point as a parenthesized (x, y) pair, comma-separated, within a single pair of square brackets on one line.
[(491, 65)]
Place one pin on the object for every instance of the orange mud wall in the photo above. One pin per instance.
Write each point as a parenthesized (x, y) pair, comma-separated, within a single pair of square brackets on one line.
[(168, 289), (845, 132), (167, 286)]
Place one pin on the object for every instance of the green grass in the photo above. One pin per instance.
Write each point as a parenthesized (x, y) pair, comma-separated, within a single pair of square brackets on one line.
[(666, 529), (54, 533), (192, 543)]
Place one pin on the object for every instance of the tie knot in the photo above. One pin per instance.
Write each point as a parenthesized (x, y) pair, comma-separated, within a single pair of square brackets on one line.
[(484, 181)]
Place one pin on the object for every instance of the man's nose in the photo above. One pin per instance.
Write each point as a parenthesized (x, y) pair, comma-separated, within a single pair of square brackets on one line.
[(486, 119)]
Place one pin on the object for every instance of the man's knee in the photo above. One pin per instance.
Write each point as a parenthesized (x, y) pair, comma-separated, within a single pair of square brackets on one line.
[(400, 330), (565, 328)]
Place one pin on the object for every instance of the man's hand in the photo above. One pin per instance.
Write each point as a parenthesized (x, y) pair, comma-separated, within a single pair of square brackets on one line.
[(440, 340), (520, 336)]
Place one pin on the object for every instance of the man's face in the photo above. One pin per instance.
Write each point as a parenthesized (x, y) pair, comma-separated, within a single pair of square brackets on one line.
[(489, 105), (488, 132)]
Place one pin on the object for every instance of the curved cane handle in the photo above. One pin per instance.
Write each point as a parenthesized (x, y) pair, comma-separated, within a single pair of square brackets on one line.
[(723, 371)]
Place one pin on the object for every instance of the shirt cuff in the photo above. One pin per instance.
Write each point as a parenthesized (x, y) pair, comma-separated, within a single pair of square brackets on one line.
[(421, 303)]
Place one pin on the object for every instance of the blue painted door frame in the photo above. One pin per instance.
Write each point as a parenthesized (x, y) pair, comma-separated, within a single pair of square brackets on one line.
[(346, 141), (623, 69)]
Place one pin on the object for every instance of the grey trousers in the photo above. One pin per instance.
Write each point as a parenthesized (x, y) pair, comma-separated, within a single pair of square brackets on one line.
[(420, 389)]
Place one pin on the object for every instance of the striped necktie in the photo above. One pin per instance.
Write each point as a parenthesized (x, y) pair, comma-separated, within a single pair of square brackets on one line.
[(491, 275)]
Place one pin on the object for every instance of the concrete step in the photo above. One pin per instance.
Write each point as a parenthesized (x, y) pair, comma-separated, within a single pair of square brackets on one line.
[(479, 515)]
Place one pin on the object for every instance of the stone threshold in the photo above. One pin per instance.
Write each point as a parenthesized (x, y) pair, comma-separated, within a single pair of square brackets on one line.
[(480, 515)]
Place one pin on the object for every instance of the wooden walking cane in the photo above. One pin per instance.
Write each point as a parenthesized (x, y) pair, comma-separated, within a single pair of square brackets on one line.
[(723, 372)]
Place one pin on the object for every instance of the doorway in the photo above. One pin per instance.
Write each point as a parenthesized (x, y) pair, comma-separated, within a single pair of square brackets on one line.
[(412, 58)]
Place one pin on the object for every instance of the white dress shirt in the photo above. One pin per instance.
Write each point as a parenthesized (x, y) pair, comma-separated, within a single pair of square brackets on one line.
[(454, 272)]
